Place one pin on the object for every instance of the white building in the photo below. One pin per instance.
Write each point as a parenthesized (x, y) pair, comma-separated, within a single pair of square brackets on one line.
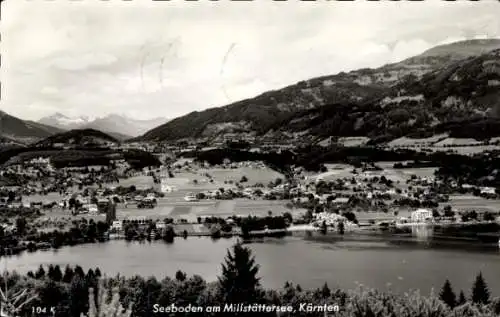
[(488, 190), (421, 215), (91, 208), (329, 218), (161, 225), (165, 187), (117, 225), (139, 219)]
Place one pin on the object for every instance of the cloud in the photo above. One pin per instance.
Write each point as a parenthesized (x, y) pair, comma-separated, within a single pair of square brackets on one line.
[(149, 59), (48, 90), (404, 49), (84, 61)]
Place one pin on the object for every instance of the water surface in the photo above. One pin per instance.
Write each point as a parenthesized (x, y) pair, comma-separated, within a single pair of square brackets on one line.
[(344, 264)]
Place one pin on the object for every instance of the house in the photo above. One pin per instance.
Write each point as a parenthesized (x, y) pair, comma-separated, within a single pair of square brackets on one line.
[(138, 219), (329, 218), (488, 191), (340, 200), (117, 225), (91, 208), (165, 187), (421, 215), (161, 225)]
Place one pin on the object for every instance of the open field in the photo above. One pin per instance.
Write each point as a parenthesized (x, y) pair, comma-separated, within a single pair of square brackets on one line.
[(335, 171), (467, 150), (404, 141), (254, 175), (366, 216), (184, 182), (469, 202), (338, 171), (220, 175), (225, 208), (140, 182), (406, 172)]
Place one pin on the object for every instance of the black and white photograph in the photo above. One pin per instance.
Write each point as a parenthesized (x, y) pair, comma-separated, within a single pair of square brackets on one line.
[(250, 158)]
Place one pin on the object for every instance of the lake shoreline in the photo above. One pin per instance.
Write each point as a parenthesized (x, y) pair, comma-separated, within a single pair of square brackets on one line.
[(308, 233)]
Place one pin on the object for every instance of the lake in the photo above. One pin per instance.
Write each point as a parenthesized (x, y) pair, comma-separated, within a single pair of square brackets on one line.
[(309, 262)]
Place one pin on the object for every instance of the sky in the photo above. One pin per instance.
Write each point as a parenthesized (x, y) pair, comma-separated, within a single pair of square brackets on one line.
[(148, 59)]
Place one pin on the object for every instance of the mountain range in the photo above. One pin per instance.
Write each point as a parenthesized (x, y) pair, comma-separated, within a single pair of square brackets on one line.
[(453, 88), (431, 92), (119, 126), (15, 130)]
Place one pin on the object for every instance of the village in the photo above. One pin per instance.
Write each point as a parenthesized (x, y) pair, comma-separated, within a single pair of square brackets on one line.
[(190, 198)]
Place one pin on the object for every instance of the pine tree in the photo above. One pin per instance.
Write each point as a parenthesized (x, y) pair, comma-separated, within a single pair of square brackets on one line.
[(51, 294), (78, 296), (79, 271), (461, 299), (91, 279), (68, 274), (447, 295), (480, 292), (40, 273), (90, 275), (101, 306), (50, 272), (180, 276), (239, 282), (57, 274), (325, 291)]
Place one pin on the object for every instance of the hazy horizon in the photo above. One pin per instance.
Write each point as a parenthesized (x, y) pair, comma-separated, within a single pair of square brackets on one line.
[(146, 59)]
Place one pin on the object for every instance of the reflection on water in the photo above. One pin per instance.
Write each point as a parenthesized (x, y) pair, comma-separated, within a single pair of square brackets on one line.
[(422, 233)]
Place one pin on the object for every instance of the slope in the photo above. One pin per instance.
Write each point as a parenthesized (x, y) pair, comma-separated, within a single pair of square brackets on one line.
[(24, 131), (362, 88), (462, 99), (78, 138)]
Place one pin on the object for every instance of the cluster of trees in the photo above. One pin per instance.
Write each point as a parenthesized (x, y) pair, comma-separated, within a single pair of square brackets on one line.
[(278, 161), (81, 232), (466, 216), (138, 159), (258, 223), (27, 213), (470, 230), (479, 170), (238, 283), (81, 157), (415, 203), (480, 294)]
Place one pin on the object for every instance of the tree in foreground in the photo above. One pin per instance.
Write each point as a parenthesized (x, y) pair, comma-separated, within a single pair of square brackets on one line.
[(461, 298), (480, 291), (106, 307), (12, 303), (239, 282), (447, 295), (180, 276)]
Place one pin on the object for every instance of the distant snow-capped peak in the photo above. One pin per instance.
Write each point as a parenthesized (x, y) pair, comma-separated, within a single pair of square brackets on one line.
[(63, 120)]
